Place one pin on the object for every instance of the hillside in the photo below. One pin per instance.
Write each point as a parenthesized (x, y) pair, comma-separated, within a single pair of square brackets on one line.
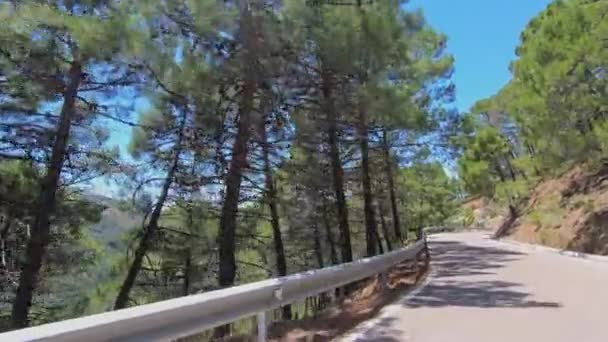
[(113, 225), (536, 146), (566, 212)]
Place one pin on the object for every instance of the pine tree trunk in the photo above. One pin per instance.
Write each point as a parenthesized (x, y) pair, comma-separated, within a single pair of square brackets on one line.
[(7, 220), (188, 256), (510, 168), (317, 245), (227, 228), (187, 273), (420, 221), (387, 238), (378, 239), (238, 164), (40, 234), (388, 167), (330, 235), (227, 231), (371, 229), (506, 225), (271, 196), (151, 228), (337, 171)]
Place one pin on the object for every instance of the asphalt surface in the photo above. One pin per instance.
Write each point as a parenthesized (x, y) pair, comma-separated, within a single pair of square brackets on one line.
[(483, 290)]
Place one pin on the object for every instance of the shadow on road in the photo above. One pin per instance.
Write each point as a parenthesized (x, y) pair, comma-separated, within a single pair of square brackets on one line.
[(459, 279), (485, 294), (462, 277), (451, 259), (384, 331)]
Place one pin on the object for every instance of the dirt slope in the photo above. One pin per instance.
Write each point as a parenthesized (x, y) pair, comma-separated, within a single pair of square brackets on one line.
[(568, 212), (481, 213)]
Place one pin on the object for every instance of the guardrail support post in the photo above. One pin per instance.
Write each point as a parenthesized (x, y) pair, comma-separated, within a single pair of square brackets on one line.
[(384, 280), (261, 318)]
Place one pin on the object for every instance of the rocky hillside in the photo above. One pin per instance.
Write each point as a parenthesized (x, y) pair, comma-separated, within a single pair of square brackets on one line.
[(567, 212)]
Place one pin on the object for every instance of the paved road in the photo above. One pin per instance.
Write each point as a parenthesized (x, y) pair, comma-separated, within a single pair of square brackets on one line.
[(481, 290)]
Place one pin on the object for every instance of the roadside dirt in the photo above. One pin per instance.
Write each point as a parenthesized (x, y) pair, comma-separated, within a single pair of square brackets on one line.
[(568, 212), (486, 214)]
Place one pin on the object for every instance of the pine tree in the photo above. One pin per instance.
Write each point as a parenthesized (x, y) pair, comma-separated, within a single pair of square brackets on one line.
[(61, 64)]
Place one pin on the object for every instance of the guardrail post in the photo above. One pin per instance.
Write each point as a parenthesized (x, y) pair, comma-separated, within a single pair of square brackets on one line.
[(384, 280), (262, 332), (339, 293)]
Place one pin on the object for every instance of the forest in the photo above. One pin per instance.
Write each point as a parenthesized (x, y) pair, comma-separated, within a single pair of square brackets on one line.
[(152, 149), (264, 138)]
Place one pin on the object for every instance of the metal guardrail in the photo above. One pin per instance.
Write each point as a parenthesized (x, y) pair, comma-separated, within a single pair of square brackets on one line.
[(186, 316), (437, 229)]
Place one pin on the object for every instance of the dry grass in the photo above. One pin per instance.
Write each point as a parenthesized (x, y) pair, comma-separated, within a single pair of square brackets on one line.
[(568, 212)]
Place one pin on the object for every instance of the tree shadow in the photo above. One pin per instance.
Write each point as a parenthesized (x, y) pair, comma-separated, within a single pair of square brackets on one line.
[(386, 330), (462, 277), (452, 259), (485, 294), (458, 279)]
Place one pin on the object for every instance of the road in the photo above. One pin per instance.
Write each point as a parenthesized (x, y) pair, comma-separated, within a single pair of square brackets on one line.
[(484, 290)]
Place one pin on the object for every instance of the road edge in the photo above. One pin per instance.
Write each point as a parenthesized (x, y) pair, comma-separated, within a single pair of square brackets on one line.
[(563, 252), (361, 329)]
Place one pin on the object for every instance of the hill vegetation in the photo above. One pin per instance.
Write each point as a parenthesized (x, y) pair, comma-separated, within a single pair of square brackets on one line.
[(538, 147)]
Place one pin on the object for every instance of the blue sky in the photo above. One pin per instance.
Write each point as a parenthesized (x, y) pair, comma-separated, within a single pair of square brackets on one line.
[(482, 35)]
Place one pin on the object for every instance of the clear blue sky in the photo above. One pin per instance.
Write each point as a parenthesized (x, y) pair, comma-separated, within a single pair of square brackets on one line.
[(482, 35)]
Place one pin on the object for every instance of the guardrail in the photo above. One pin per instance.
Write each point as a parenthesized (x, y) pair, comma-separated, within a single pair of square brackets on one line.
[(185, 316), (437, 229)]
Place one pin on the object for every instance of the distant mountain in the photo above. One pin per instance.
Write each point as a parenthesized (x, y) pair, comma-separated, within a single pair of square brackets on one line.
[(100, 199), (113, 226), (115, 221)]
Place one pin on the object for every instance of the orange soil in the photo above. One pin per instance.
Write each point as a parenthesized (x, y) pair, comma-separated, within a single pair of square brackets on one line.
[(568, 212)]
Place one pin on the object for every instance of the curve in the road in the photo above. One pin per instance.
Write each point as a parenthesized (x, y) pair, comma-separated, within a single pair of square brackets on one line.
[(483, 290)]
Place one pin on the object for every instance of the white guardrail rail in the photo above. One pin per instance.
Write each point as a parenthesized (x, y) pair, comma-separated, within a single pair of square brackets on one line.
[(185, 316)]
